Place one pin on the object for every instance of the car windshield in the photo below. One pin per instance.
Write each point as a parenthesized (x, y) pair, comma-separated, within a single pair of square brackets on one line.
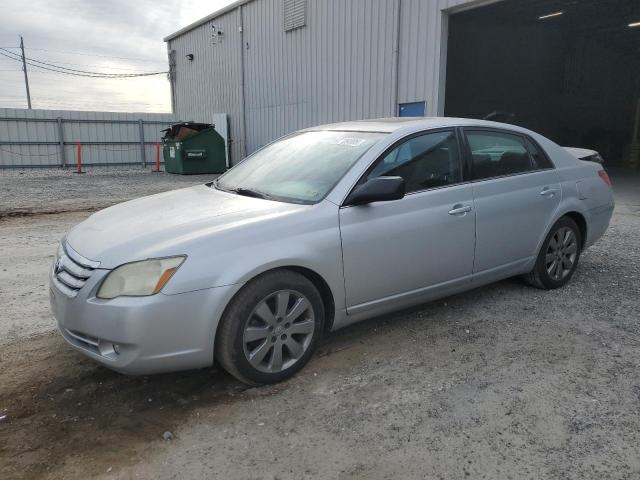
[(301, 168)]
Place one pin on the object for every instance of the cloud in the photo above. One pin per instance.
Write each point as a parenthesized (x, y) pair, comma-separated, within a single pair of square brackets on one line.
[(117, 36)]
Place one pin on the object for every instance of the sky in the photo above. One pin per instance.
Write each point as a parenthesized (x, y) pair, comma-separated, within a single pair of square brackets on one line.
[(113, 36)]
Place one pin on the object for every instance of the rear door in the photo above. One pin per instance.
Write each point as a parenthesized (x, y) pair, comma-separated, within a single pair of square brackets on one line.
[(516, 191)]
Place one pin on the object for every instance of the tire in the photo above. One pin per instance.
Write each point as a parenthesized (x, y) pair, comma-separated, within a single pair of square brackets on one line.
[(271, 328), (562, 245)]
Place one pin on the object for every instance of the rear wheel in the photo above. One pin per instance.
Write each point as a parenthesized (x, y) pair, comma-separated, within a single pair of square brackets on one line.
[(558, 257), (271, 328)]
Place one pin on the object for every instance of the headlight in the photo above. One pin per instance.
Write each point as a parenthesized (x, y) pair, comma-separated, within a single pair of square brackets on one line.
[(139, 279)]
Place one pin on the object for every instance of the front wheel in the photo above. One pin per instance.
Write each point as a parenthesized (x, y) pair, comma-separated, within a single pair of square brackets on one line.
[(558, 257), (271, 328)]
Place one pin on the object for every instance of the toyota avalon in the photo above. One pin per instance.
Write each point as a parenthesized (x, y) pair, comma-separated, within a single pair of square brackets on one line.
[(322, 228)]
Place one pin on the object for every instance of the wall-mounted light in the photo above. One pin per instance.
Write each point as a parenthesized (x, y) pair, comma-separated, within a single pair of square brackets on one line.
[(189, 57), (550, 15), (634, 24)]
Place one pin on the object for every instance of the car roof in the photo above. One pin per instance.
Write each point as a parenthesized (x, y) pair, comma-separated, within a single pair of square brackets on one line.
[(389, 125), (401, 126)]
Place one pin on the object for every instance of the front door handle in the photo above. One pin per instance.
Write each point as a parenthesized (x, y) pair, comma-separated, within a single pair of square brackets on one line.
[(548, 192), (460, 209)]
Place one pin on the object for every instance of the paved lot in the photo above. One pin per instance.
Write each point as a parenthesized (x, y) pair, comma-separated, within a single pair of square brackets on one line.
[(502, 382)]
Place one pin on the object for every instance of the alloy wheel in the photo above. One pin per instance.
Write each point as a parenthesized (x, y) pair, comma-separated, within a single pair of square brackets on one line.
[(279, 331), (561, 253)]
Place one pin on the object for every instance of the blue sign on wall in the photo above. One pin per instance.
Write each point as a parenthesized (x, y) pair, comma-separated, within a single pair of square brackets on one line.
[(414, 109)]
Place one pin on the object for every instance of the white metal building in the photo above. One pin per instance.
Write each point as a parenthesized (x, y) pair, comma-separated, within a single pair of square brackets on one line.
[(275, 66)]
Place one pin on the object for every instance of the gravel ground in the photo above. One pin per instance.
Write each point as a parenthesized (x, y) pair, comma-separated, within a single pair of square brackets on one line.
[(504, 381), (30, 191)]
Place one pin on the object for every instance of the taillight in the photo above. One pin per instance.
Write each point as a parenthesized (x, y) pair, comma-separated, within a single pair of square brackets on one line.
[(605, 177)]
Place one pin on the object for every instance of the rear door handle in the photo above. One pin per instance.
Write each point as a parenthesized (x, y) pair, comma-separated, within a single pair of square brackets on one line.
[(548, 192), (460, 209)]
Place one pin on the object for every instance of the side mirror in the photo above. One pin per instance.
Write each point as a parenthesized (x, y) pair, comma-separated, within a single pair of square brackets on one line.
[(379, 189)]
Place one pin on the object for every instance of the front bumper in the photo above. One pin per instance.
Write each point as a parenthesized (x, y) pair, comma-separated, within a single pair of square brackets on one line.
[(142, 335)]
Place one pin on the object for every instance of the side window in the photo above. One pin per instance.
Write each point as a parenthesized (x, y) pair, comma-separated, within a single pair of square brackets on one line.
[(540, 161), (427, 161), (495, 154)]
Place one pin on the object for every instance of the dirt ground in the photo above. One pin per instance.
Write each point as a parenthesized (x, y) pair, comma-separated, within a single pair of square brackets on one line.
[(505, 381), (51, 190)]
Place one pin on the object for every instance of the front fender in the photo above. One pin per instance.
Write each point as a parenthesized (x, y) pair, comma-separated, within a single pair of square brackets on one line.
[(309, 240)]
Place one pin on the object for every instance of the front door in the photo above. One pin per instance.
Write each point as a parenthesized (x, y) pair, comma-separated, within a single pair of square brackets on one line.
[(401, 249)]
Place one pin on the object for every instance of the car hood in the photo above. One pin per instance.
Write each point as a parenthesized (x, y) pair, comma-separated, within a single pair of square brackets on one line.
[(167, 223)]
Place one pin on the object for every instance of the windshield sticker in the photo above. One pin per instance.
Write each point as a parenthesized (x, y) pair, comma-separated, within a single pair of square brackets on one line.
[(348, 141)]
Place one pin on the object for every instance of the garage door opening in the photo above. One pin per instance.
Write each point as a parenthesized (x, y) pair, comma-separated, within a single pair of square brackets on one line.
[(567, 69)]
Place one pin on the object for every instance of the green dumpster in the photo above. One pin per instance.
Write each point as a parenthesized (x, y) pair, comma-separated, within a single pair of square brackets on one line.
[(190, 148)]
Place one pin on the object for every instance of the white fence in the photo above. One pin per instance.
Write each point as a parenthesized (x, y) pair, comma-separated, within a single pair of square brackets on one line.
[(49, 138)]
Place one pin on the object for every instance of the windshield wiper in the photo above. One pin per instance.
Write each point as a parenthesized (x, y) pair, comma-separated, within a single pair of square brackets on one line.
[(248, 192)]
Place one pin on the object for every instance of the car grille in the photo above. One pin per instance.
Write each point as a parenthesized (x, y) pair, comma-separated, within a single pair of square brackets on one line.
[(71, 271)]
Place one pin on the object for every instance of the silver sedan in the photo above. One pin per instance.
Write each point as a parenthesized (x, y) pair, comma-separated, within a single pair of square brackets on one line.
[(322, 228)]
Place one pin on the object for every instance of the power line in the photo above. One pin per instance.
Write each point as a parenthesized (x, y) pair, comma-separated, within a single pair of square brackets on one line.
[(94, 65), (47, 68), (83, 64), (35, 73), (100, 66), (85, 54), (71, 71)]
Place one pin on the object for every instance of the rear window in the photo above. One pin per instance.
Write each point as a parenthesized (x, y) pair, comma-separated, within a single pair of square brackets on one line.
[(497, 154), (539, 159)]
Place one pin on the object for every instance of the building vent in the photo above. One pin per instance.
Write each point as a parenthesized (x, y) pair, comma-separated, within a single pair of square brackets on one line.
[(295, 14)]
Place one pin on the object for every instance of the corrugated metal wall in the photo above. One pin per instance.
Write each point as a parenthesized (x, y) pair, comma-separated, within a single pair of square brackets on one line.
[(349, 62), (422, 28), (89, 127), (338, 67), (211, 82)]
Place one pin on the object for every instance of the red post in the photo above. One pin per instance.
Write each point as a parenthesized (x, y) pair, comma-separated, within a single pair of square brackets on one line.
[(157, 158), (79, 161)]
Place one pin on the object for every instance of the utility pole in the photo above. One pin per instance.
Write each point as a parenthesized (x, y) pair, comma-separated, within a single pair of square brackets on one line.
[(24, 69)]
